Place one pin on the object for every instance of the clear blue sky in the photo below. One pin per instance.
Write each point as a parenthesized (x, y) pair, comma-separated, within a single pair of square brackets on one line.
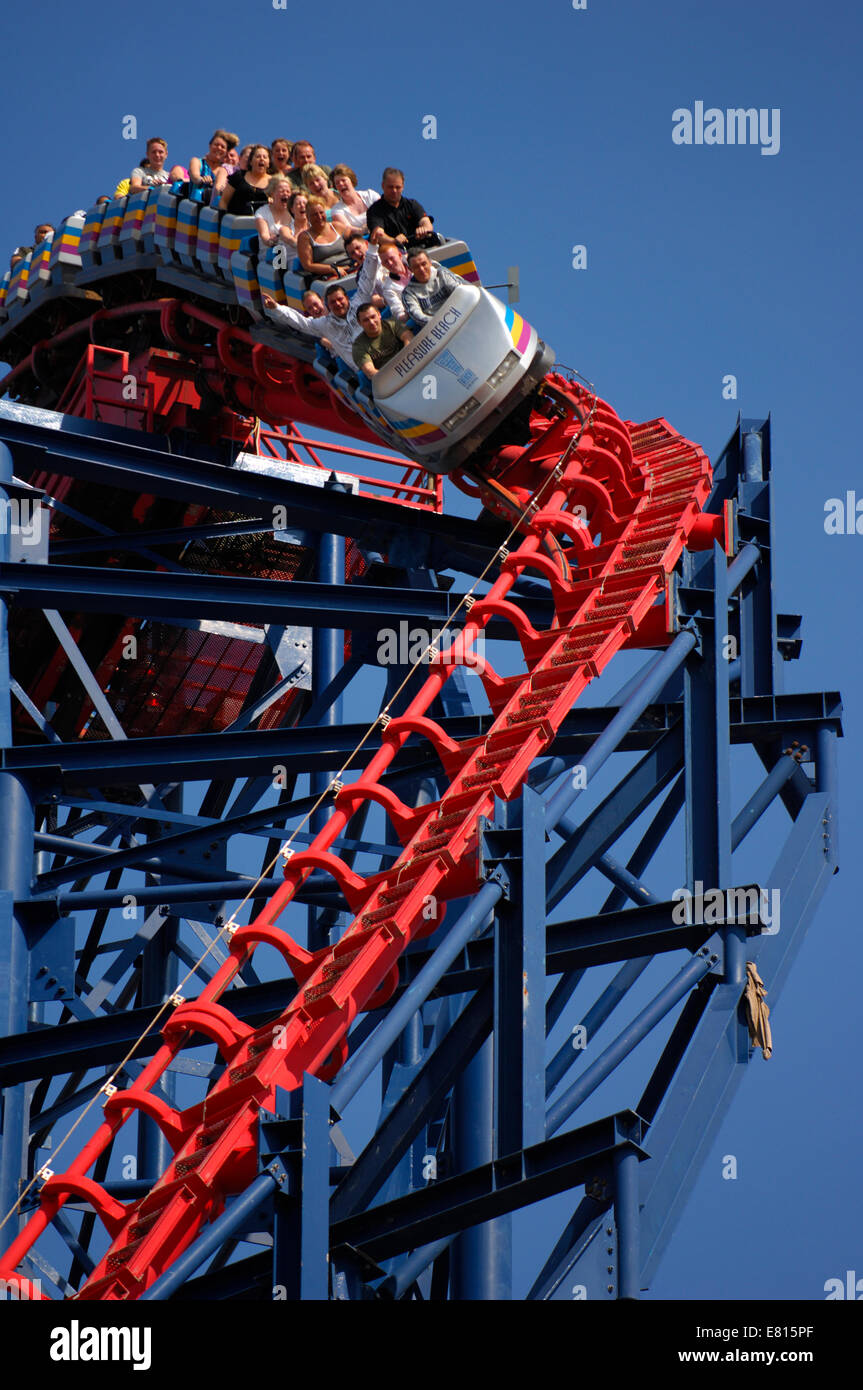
[(554, 129)]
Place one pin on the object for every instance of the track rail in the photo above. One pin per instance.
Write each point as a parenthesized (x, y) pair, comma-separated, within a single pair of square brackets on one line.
[(642, 489)]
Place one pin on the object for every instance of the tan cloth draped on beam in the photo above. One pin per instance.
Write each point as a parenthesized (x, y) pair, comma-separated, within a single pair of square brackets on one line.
[(758, 1014)]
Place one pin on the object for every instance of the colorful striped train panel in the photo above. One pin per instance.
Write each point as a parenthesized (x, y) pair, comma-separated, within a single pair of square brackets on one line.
[(270, 275), (186, 233), (294, 286), (18, 293), (244, 273), (129, 238), (90, 235), (236, 234), (40, 268), (4, 287), (207, 243), (65, 260), (107, 242), (457, 258), (519, 330), (166, 225), (148, 223)]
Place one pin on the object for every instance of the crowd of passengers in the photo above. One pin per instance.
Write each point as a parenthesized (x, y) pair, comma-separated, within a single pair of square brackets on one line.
[(318, 214)]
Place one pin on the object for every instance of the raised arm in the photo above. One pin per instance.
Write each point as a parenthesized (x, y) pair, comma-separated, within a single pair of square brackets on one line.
[(304, 323)]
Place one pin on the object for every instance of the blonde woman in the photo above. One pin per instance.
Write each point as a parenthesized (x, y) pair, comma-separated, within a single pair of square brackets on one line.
[(321, 249), (273, 222), (316, 185)]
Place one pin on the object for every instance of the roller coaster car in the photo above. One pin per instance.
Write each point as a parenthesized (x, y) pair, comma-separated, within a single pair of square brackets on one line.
[(464, 374)]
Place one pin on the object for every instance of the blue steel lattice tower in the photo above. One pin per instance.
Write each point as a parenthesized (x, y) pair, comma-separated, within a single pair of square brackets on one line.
[(181, 683)]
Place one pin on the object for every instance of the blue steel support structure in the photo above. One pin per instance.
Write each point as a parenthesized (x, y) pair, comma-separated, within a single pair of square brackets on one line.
[(491, 1055)]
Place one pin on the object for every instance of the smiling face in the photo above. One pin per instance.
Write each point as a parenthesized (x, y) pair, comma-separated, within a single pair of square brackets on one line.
[(317, 186), (420, 267), (313, 305), (217, 152), (391, 259), (317, 216), (343, 186), (281, 154), (303, 154), (357, 249), (338, 303), (370, 321), (157, 153)]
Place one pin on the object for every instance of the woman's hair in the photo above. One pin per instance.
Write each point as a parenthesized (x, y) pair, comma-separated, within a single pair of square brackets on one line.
[(280, 140), (297, 193), (253, 151), (313, 202), (342, 169), (277, 182), (309, 172), (226, 136)]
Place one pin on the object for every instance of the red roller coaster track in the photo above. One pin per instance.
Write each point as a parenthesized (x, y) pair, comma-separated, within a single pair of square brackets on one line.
[(642, 488)]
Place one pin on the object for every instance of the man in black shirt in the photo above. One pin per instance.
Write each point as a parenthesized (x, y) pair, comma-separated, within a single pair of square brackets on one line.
[(401, 219)]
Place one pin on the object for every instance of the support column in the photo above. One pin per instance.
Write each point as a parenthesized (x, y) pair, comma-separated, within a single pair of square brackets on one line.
[(519, 972), (301, 1245), (158, 981), (626, 1216), (327, 658), (16, 860), (482, 1257), (707, 739)]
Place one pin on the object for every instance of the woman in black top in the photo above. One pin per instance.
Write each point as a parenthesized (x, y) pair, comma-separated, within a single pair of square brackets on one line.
[(247, 189)]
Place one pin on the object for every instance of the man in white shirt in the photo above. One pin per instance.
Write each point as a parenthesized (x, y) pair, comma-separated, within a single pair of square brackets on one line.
[(388, 286), (339, 326)]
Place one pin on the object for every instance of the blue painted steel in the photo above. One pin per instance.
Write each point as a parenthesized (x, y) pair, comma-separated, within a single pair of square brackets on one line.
[(706, 729), (627, 1219), (519, 972), (592, 1076), (713, 1067), (328, 656), (231, 1220), (430, 1049), (752, 461), (825, 781), (301, 1213), (481, 1261), (16, 841)]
